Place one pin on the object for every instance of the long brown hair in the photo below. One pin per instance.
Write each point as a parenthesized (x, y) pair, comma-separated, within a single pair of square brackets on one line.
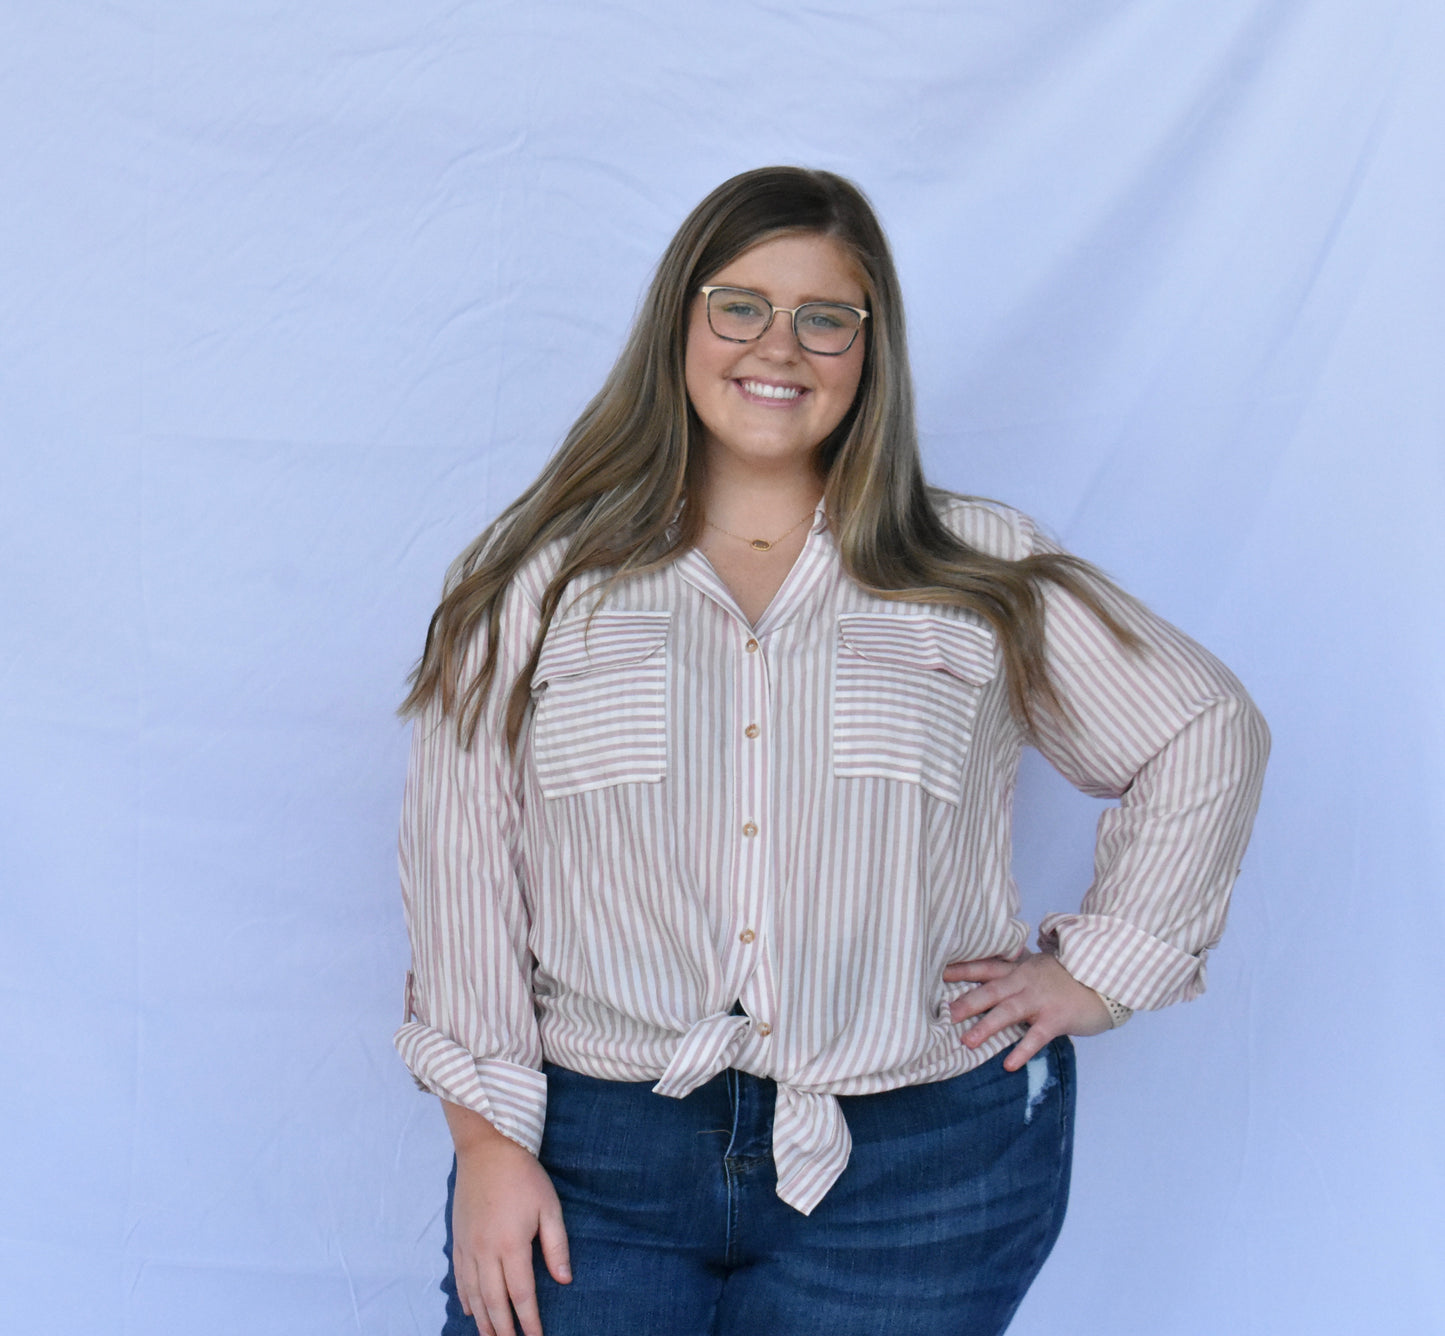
[(623, 492)]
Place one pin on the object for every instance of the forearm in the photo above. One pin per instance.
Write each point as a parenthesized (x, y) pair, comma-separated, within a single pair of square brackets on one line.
[(1166, 861)]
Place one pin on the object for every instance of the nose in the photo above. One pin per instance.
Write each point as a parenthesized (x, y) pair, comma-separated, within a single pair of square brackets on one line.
[(779, 341)]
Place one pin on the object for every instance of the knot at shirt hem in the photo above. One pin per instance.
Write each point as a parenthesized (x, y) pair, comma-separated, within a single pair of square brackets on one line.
[(811, 1141), (707, 1049)]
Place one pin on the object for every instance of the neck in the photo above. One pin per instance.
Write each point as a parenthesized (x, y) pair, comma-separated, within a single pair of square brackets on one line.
[(760, 504)]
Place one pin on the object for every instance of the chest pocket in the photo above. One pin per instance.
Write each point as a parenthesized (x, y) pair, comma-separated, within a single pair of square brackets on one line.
[(905, 696), (600, 690)]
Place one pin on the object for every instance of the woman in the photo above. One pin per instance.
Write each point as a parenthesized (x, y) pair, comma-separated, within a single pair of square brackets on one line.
[(705, 852)]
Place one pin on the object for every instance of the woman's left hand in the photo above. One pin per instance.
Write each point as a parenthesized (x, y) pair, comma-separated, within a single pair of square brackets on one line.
[(1034, 990)]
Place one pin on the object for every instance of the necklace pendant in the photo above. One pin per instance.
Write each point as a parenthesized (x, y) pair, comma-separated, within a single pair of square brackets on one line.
[(761, 545)]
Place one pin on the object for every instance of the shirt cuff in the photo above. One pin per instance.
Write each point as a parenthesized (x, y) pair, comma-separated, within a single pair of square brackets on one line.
[(1122, 961), (511, 1097)]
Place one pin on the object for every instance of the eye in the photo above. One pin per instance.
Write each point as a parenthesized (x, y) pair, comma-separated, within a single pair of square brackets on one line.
[(826, 318), (744, 308)]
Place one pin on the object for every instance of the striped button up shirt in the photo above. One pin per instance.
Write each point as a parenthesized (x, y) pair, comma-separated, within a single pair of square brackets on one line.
[(809, 816)]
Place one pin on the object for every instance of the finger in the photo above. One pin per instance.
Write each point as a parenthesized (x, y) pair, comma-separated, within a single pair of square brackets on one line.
[(1009, 1012), (974, 1003), (1028, 1046), (495, 1301), (475, 1307), (522, 1286), (464, 1274), (987, 996), (978, 971), (553, 1237)]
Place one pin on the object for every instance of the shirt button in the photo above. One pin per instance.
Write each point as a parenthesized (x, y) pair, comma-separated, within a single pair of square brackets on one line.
[(750, 830), (764, 1029), (752, 730), (751, 647), (747, 937)]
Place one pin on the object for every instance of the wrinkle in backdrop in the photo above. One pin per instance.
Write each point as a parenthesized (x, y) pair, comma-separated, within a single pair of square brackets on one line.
[(295, 300)]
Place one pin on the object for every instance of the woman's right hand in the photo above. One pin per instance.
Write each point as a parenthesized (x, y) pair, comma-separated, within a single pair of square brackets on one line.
[(503, 1200)]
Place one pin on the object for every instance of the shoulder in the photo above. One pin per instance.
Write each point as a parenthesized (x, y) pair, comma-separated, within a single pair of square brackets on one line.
[(580, 596), (529, 583), (990, 526), (519, 612)]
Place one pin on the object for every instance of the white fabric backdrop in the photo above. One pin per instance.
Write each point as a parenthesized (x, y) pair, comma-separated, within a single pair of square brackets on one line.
[(296, 296)]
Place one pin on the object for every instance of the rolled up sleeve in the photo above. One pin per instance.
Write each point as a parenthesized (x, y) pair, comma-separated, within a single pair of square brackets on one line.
[(470, 1031), (1170, 732)]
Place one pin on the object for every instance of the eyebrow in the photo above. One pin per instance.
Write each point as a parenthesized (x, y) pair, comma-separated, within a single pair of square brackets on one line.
[(860, 305)]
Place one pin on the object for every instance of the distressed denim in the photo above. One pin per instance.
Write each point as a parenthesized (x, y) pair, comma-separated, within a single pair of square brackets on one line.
[(951, 1201)]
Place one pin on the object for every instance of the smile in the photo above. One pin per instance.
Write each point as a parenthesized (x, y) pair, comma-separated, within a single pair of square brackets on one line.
[(762, 390)]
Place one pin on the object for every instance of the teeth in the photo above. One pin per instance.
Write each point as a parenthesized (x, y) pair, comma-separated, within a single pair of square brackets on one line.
[(771, 391)]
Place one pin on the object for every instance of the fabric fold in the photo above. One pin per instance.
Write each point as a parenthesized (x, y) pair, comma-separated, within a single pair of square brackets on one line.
[(1122, 960), (705, 1050), (811, 1146), (511, 1097)]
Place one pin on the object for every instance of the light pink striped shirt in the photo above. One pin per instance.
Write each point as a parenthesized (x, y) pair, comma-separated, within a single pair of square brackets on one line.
[(810, 816)]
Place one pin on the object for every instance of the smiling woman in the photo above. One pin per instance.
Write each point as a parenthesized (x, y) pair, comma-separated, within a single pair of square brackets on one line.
[(716, 959), (766, 403)]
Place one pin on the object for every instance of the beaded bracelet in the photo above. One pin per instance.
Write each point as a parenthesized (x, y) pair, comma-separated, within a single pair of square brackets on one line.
[(1118, 1012)]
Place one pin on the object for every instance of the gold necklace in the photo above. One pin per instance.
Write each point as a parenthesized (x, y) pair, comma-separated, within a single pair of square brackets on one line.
[(759, 544)]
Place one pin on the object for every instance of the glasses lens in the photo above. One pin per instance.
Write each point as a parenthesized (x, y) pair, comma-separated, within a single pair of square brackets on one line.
[(825, 328), (736, 313)]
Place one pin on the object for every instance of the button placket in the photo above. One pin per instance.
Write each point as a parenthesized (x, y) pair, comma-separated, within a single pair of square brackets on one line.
[(753, 861)]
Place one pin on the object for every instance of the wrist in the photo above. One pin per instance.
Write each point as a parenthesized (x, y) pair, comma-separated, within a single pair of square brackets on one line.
[(473, 1134)]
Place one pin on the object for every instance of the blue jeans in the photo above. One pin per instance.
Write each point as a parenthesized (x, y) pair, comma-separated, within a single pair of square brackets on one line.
[(950, 1203)]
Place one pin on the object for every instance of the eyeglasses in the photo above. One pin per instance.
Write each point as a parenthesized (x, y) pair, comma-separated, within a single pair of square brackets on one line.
[(740, 316)]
